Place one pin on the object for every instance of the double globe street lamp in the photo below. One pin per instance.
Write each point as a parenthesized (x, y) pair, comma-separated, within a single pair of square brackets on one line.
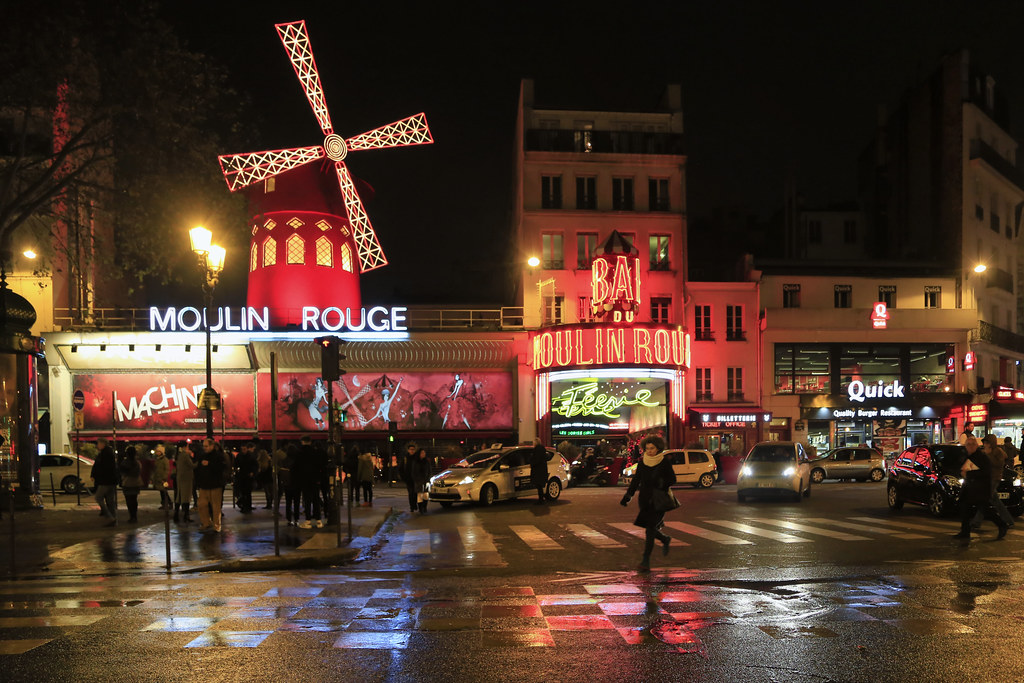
[(211, 263)]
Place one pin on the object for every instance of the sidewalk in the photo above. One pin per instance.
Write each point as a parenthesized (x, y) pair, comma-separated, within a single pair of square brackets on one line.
[(72, 539)]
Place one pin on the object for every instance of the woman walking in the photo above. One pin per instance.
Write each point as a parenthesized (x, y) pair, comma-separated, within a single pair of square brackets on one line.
[(184, 478), (654, 477), (419, 476), (131, 482)]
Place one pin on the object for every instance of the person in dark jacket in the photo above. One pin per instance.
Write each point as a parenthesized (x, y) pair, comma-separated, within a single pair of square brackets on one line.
[(351, 469), (246, 467), (418, 475), (995, 459), (654, 471), (209, 474), (410, 455), (307, 471), (104, 476), (131, 482), (289, 483), (539, 469), (1011, 452)]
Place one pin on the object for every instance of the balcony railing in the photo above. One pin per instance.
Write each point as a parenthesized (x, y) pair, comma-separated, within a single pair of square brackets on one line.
[(702, 397), (603, 142), (736, 396), (983, 151), (735, 335), (703, 334), (987, 332), (1000, 279)]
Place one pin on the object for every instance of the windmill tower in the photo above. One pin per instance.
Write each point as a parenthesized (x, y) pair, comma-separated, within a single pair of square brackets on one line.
[(311, 237)]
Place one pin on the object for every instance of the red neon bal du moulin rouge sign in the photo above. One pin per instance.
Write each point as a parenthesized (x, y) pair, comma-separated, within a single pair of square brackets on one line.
[(580, 345)]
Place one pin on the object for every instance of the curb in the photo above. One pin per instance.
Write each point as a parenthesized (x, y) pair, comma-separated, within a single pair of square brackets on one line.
[(307, 560)]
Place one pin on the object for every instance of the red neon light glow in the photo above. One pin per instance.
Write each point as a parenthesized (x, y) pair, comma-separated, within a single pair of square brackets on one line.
[(570, 346), (242, 170), (615, 290), (879, 315), (969, 360)]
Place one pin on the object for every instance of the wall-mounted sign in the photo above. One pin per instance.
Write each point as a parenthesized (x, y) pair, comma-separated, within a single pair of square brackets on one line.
[(615, 287), (950, 360), (580, 345), (606, 405), (871, 413), (247, 318), (969, 360), (879, 315), (857, 391), (1009, 394), (585, 400), (976, 413)]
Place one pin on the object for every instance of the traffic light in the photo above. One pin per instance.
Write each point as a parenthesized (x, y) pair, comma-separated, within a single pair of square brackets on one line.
[(329, 358), (392, 430)]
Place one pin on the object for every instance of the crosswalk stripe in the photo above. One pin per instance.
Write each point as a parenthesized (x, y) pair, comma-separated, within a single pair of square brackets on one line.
[(416, 543), (476, 540), (901, 524), (634, 530), (747, 529), (839, 535), (707, 534), (863, 527), (594, 538), (534, 537)]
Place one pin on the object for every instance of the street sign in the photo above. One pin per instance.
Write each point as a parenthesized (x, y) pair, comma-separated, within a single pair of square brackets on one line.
[(209, 399), (79, 419), (78, 400)]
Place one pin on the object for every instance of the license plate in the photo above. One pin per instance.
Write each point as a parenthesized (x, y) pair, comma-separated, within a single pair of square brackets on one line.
[(1004, 495), (439, 489), (764, 485)]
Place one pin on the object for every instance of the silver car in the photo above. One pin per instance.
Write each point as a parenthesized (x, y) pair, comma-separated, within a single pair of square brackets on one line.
[(496, 474), (854, 462), (773, 467)]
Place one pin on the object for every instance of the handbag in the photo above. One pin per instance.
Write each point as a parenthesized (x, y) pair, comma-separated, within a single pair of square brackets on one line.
[(664, 500)]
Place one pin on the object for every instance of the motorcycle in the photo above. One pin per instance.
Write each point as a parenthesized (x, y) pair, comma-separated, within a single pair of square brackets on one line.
[(601, 476)]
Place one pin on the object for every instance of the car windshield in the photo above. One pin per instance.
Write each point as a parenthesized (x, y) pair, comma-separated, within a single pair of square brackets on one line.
[(479, 459), (948, 459), (770, 454)]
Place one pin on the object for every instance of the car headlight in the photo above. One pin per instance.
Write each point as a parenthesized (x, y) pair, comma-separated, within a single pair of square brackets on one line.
[(952, 481), (466, 480), (789, 472), (746, 471)]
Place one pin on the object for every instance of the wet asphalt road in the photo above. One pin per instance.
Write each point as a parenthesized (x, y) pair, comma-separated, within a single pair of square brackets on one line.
[(832, 588)]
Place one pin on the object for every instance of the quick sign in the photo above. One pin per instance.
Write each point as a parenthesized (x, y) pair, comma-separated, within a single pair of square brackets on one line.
[(606, 345), (246, 319), (879, 315), (857, 391), (969, 359)]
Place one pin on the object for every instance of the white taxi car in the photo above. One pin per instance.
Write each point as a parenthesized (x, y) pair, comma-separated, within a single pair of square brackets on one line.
[(775, 467), (692, 466), (496, 474)]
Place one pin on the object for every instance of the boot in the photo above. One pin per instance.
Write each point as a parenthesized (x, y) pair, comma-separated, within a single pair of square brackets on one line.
[(423, 508), (1003, 528), (188, 520), (177, 509), (965, 531), (645, 564)]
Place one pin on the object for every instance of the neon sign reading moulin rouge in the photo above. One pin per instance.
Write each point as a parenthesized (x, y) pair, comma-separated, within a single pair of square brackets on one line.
[(584, 400), (332, 319), (638, 345)]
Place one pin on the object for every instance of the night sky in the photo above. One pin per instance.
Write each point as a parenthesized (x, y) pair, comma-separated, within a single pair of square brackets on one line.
[(770, 90)]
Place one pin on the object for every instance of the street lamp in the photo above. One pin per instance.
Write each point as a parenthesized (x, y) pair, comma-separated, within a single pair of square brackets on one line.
[(211, 262)]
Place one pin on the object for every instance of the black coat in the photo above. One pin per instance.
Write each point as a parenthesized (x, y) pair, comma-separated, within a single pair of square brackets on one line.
[(210, 475), (539, 466), (417, 472), (661, 476), (104, 469)]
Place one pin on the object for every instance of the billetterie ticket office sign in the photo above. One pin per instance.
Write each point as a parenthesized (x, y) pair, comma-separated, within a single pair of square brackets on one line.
[(599, 345)]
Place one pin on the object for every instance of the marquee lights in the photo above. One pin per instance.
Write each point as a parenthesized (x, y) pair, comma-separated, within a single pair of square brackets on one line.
[(615, 289), (584, 401), (604, 345)]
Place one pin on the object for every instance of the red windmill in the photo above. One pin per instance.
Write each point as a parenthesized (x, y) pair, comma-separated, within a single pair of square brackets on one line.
[(302, 244)]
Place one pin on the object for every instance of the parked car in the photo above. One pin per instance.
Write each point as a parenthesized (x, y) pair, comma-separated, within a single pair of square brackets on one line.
[(64, 470), (856, 462), (929, 475), (775, 467), (691, 465), (496, 474)]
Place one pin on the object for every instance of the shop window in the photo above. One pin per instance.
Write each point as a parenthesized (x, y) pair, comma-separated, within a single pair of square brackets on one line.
[(269, 252), (928, 368), (586, 245), (551, 247), (734, 324), (551, 192), (702, 384), (346, 258), (869, 363), (660, 309), (802, 369), (295, 250), (324, 253), (659, 247), (702, 323), (622, 194)]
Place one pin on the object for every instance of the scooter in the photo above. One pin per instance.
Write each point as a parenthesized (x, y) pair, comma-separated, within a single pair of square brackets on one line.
[(601, 476)]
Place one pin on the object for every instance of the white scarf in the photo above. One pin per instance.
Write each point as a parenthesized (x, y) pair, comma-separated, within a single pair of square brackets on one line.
[(653, 461)]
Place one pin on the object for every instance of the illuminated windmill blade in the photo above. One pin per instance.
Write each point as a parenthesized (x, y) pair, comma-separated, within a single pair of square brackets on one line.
[(296, 44), (241, 170), (410, 131), (371, 256)]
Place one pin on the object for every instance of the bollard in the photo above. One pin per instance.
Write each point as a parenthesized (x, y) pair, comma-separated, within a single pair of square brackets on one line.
[(53, 490), (338, 493), (10, 516), (167, 536), (277, 511), (349, 522)]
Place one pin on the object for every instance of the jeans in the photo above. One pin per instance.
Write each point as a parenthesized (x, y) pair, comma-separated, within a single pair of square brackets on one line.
[(996, 505), (106, 496), (311, 501)]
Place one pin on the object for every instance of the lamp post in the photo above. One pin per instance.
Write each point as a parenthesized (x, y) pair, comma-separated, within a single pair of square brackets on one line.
[(211, 262)]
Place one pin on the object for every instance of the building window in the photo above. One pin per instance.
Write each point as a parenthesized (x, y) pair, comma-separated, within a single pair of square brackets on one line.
[(294, 248), (252, 258), (583, 136), (843, 295), (586, 245), (791, 296), (586, 193), (979, 212), (734, 324), (346, 258), (659, 245), (296, 223), (324, 254), (553, 305), (802, 369), (660, 307), (270, 224), (814, 232), (269, 252), (622, 194), (850, 232), (734, 379), (702, 323), (551, 248), (887, 295), (702, 384), (584, 310), (551, 192), (657, 189), (323, 225), (932, 296)]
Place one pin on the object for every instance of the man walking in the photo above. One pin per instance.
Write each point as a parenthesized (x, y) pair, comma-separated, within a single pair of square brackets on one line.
[(245, 477), (210, 479), (410, 485), (104, 475), (539, 469), (307, 472)]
